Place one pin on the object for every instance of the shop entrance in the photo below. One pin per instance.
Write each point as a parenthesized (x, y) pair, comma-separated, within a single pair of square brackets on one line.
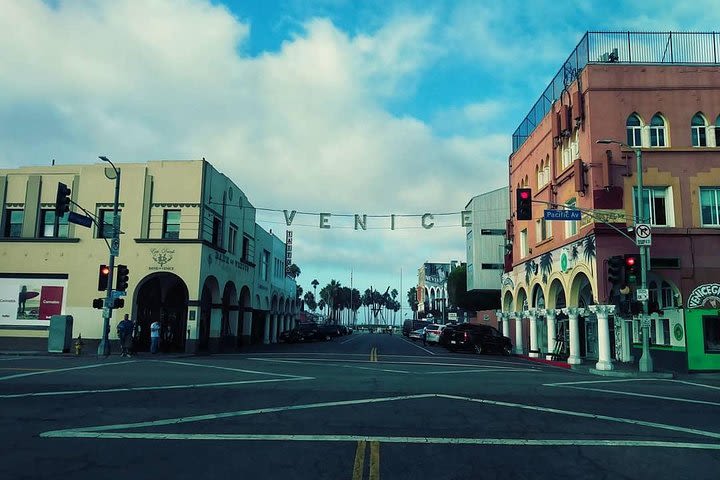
[(161, 297)]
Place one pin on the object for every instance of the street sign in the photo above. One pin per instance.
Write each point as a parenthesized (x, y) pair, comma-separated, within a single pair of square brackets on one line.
[(115, 247), (563, 214), (79, 219), (642, 294), (643, 235), (644, 322), (117, 294), (452, 316)]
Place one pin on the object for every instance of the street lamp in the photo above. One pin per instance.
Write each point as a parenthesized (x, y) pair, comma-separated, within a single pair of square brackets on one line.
[(646, 364), (104, 347)]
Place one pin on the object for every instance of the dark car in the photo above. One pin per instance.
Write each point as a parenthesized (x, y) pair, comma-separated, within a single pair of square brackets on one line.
[(412, 325), (304, 332), (480, 339), (328, 331), (447, 334)]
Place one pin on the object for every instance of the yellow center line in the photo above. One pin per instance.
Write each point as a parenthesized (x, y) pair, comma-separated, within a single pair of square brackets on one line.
[(359, 465), (374, 460)]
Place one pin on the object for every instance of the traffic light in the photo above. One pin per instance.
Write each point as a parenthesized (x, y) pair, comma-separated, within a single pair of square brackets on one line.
[(98, 303), (615, 271), (123, 274), (632, 268), (62, 200), (524, 204), (103, 274), (119, 303)]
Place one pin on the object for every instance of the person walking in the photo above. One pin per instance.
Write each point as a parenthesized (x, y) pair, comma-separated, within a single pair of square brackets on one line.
[(124, 331), (424, 335), (154, 336)]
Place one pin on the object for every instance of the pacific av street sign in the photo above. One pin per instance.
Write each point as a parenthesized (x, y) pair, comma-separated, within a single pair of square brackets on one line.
[(563, 215)]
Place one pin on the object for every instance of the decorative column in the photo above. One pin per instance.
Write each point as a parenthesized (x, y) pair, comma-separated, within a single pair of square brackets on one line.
[(273, 328), (518, 316), (505, 318), (551, 333), (247, 326), (266, 329), (532, 315), (573, 314), (604, 359)]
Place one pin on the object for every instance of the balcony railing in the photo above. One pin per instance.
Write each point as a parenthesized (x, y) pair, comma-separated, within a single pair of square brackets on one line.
[(681, 48)]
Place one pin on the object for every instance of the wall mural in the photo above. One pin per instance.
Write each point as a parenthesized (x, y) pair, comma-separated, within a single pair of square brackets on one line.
[(564, 259)]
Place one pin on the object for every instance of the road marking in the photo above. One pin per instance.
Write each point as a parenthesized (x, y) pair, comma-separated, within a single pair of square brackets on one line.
[(583, 442), (227, 368), (373, 354), (359, 465), (105, 431), (559, 384), (354, 337), (304, 361), (151, 388), (58, 370), (275, 360), (11, 358), (418, 346), (27, 369), (374, 460), (644, 395)]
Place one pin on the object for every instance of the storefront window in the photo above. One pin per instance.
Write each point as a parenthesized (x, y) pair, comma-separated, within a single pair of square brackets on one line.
[(711, 334)]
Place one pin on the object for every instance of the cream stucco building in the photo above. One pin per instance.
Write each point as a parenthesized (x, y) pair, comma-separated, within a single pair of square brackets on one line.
[(198, 261)]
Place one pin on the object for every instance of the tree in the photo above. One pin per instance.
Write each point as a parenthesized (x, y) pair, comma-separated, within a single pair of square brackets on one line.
[(412, 299), (457, 285), (322, 305), (314, 284), (309, 300), (293, 271)]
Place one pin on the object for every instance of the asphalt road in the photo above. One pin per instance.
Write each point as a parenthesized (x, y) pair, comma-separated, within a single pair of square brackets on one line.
[(365, 406)]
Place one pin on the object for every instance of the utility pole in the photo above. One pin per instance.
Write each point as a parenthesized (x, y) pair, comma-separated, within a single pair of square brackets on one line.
[(104, 347)]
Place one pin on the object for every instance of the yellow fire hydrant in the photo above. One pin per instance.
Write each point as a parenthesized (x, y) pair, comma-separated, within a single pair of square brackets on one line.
[(78, 345)]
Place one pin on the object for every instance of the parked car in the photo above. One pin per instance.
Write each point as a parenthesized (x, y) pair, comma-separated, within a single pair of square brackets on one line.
[(446, 334), (328, 331), (417, 334), (479, 338), (410, 325), (304, 332), (433, 332)]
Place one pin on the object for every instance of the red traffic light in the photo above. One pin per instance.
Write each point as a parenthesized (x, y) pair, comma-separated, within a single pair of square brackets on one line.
[(524, 194), (104, 269), (629, 261)]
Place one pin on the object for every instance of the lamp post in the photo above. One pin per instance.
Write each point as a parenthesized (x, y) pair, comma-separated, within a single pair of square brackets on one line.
[(104, 347), (645, 364)]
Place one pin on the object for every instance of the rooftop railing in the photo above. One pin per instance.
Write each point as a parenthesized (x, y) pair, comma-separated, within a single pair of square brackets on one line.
[(692, 48)]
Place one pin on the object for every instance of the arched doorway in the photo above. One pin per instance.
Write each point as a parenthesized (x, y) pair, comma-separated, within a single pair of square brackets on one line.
[(162, 297), (209, 296)]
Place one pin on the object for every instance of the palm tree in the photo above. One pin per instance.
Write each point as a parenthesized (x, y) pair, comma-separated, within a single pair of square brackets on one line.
[(546, 265), (589, 254), (314, 284), (529, 271), (322, 305)]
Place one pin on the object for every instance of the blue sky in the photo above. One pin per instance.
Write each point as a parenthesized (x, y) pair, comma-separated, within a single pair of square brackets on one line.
[(372, 107)]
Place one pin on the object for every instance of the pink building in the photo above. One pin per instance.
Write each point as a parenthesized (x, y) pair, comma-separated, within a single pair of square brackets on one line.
[(658, 92)]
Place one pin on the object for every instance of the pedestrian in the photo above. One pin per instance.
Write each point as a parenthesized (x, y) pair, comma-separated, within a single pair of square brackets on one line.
[(124, 331), (424, 335), (154, 336)]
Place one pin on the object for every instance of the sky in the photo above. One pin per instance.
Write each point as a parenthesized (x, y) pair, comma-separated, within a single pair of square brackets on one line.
[(332, 106)]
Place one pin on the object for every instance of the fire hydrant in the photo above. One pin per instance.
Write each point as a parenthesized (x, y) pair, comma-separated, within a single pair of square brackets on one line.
[(78, 345)]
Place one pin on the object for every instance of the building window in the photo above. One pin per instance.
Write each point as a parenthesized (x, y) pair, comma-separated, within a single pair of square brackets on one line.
[(492, 266), (14, 222), (523, 243), (657, 206), (543, 230), (246, 248), (232, 238), (216, 229), (107, 217), (710, 207), (657, 131), (570, 226), (698, 128), (711, 334), (634, 130), (47, 224), (264, 260), (171, 224)]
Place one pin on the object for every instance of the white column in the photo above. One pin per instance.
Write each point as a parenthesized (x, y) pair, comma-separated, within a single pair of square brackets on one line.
[(604, 359), (266, 329), (573, 313), (550, 333), (534, 353), (518, 333), (273, 328)]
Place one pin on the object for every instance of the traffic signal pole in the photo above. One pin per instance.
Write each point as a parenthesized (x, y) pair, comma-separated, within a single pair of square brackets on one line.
[(104, 347), (646, 363)]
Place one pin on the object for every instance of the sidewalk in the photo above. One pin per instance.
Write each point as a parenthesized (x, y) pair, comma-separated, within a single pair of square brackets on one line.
[(620, 370)]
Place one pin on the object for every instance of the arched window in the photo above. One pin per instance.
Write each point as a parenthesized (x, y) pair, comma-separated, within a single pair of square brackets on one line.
[(666, 295), (538, 175), (634, 130), (547, 169), (698, 129), (657, 131)]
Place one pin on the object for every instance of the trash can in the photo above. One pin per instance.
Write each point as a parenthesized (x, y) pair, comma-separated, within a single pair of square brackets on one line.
[(60, 334)]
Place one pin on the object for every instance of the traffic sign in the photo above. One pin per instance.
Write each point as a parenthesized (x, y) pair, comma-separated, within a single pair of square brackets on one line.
[(79, 219), (643, 234), (115, 247), (563, 214), (645, 322), (642, 294)]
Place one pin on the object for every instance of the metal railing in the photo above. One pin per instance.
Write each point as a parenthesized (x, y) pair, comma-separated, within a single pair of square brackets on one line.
[(696, 48)]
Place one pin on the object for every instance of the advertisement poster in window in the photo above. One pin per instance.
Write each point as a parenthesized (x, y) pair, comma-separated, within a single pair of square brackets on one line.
[(31, 301)]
